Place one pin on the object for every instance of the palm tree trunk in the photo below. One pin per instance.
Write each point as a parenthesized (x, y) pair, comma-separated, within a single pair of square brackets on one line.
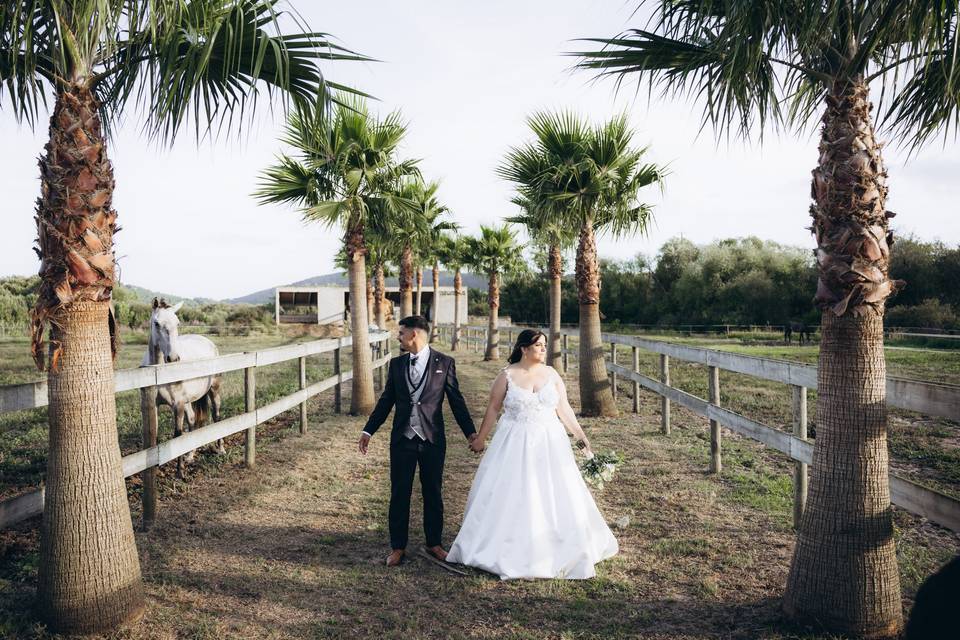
[(434, 329), (555, 268), (457, 292), (406, 282), (844, 573), (419, 288), (369, 284), (379, 292), (361, 398), (493, 332), (596, 397), (89, 573)]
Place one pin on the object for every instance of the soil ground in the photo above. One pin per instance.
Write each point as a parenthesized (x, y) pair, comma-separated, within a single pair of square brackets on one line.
[(294, 548)]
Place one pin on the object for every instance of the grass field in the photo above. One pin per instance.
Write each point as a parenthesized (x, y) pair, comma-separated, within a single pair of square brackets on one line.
[(923, 448), (23, 434), (294, 548)]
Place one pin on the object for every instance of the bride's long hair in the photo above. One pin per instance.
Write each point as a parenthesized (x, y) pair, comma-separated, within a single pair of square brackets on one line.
[(526, 338)]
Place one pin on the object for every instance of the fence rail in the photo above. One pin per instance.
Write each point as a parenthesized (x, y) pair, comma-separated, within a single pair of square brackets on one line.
[(924, 397), (34, 395)]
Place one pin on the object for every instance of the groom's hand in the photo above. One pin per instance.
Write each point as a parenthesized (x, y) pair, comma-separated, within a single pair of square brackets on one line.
[(364, 441), (476, 445)]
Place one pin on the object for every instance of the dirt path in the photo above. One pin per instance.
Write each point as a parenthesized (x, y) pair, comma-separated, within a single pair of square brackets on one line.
[(295, 547)]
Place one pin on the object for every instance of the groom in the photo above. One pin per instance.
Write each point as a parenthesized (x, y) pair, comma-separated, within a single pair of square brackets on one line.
[(416, 383)]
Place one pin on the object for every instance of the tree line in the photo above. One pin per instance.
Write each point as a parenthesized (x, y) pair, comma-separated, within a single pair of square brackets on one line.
[(737, 281)]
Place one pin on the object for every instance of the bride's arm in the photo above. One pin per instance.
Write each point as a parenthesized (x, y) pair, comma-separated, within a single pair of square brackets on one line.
[(567, 416), (497, 393)]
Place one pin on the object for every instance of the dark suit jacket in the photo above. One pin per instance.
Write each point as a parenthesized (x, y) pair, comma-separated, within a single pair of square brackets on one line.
[(437, 385)]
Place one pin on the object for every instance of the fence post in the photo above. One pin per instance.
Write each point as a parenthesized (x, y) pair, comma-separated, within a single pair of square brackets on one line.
[(250, 404), (716, 464), (303, 385), (148, 412), (799, 468), (613, 375), (338, 389), (636, 385), (664, 400), (565, 344)]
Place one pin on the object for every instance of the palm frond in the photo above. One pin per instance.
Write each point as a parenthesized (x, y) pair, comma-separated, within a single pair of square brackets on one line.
[(754, 63)]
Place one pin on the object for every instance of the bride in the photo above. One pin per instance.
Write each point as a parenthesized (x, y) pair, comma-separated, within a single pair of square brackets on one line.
[(529, 512)]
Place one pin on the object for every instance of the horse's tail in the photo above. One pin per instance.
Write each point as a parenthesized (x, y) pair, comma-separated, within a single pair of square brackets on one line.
[(201, 407)]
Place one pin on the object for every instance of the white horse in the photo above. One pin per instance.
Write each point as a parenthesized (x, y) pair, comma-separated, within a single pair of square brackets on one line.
[(194, 399)]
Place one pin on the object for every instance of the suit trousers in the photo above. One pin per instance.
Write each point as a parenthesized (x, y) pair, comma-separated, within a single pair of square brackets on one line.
[(405, 456)]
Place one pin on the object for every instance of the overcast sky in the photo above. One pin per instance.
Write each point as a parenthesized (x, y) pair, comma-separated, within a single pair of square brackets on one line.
[(465, 75)]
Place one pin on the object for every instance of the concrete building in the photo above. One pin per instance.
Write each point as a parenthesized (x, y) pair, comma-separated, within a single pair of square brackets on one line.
[(330, 305)]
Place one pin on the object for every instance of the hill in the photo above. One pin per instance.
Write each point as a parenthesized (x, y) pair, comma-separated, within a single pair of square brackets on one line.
[(146, 296)]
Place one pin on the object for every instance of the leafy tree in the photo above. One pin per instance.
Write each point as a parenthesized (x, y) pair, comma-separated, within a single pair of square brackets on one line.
[(587, 178), (494, 252), (345, 174), (452, 252)]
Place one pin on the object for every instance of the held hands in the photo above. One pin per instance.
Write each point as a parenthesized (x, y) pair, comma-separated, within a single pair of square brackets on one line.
[(476, 443)]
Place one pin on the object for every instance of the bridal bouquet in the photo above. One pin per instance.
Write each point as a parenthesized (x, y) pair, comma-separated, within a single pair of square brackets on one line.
[(600, 468)]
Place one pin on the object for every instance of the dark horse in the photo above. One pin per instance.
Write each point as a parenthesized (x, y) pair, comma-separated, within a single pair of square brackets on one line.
[(804, 333)]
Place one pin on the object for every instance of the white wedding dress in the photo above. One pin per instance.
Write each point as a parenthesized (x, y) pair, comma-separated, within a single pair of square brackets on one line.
[(529, 512)]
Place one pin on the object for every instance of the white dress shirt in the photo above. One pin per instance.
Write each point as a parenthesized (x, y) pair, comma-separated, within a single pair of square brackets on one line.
[(420, 367)]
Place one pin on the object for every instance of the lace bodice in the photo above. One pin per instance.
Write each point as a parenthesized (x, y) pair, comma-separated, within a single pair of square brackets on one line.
[(522, 404)]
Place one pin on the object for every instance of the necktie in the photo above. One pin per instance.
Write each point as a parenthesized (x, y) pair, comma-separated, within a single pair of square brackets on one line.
[(413, 361)]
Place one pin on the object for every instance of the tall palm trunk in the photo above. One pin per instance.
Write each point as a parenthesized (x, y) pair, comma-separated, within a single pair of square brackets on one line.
[(406, 282), (555, 269), (89, 573), (419, 288), (379, 293), (361, 398), (493, 332), (596, 397), (457, 292), (435, 305), (369, 284), (844, 572)]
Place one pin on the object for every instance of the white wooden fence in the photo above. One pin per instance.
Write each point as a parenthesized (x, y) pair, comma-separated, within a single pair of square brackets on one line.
[(923, 397), (33, 395)]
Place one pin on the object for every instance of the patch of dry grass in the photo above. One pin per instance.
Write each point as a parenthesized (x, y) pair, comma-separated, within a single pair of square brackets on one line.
[(294, 548)]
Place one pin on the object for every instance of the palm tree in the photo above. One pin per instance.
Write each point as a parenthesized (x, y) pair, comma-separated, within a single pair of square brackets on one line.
[(411, 227), (549, 232), (342, 261), (431, 250), (587, 178), (495, 253), (201, 61), (754, 64), (419, 275), (380, 251), (412, 224), (452, 253), (345, 174)]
